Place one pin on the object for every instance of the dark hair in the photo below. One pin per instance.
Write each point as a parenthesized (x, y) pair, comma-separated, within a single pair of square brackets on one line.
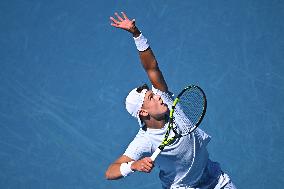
[(144, 86), (139, 89)]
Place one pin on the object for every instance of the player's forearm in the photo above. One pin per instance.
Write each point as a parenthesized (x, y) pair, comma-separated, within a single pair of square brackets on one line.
[(120, 168), (113, 172), (147, 57), (149, 61), (152, 69)]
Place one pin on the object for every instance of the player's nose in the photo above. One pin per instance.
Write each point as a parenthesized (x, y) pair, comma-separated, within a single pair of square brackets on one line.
[(158, 97)]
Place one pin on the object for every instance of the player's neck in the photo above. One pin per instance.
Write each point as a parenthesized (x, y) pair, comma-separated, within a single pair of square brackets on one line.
[(156, 124)]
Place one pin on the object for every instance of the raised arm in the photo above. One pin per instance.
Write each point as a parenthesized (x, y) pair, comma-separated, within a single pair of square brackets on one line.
[(147, 57)]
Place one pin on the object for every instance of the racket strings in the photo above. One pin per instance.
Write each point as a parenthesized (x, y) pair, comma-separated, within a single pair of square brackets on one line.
[(187, 115), (192, 104)]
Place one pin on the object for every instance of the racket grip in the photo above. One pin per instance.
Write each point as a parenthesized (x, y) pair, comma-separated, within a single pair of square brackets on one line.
[(155, 154)]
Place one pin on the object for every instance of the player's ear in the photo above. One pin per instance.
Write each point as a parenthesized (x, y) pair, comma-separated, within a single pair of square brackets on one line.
[(143, 113)]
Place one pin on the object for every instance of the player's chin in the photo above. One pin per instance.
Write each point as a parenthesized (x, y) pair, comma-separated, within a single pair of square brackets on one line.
[(165, 110), (164, 106)]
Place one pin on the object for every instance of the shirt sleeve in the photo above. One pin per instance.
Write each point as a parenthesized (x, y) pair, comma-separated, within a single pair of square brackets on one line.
[(167, 97), (140, 147)]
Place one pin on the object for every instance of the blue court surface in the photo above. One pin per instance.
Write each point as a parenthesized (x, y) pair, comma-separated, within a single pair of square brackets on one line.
[(65, 73)]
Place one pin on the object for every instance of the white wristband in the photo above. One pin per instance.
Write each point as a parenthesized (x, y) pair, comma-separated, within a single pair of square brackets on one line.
[(141, 42), (125, 168)]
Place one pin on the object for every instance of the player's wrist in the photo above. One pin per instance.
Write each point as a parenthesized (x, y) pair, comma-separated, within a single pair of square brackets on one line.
[(135, 31), (141, 42), (125, 168)]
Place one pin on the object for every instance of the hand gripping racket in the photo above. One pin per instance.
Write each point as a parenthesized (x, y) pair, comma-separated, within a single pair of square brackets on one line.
[(192, 101)]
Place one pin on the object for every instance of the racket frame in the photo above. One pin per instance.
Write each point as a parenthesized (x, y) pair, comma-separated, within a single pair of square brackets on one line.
[(167, 141)]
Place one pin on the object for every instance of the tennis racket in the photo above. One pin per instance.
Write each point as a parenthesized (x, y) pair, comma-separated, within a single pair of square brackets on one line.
[(192, 102)]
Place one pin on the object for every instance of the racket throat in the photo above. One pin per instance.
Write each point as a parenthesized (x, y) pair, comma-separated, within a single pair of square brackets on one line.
[(177, 135), (161, 147)]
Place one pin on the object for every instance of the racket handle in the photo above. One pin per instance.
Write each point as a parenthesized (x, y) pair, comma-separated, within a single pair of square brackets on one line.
[(155, 154)]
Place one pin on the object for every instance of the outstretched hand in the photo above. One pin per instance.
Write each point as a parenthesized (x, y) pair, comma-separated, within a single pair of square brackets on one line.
[(123, 22)]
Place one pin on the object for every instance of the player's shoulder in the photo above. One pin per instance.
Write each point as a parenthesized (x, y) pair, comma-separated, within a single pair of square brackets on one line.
[(141, 134), (164, 94), (142, 137), (139, 145)]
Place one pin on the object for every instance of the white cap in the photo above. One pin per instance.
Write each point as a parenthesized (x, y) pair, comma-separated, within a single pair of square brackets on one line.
[(134, 102)]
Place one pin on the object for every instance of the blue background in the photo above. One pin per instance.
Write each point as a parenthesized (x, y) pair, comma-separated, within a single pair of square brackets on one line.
[(65, 72)]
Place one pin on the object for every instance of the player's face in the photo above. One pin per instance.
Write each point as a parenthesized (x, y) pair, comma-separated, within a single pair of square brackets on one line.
[(154, 105)]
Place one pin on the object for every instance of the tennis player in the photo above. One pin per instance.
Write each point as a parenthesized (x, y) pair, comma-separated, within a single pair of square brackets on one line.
[(183, 164)]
